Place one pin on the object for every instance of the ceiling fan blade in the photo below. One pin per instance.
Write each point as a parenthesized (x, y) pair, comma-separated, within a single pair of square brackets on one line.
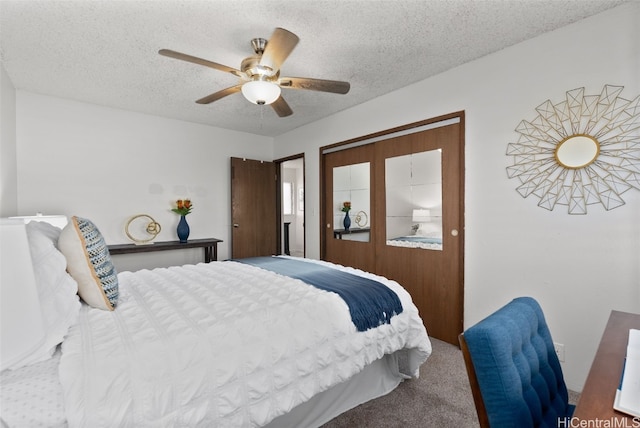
[(335, 86), (281, 107), (200, 61), (279, 46), (220, 94)]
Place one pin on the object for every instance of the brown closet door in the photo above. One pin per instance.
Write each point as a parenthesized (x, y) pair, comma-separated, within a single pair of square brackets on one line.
[(347, 251), (434, 278), (253, 208)]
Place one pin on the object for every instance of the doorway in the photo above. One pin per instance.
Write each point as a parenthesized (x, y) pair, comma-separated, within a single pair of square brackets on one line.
[(267, 207), (292, 206)]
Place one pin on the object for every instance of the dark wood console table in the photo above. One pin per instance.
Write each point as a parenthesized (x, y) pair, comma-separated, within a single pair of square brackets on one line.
[(337, 233), (210, 246)]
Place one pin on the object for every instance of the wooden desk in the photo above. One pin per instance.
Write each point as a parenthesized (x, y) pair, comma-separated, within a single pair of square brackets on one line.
[(596, 400), (210, 246)]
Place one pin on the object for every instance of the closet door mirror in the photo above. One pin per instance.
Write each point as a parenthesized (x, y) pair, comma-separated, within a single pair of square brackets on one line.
[(351, 200), (413, 186)]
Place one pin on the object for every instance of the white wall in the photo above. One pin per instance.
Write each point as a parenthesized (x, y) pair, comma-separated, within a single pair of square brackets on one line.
[(578, 267), (108, 165), (8, 161)]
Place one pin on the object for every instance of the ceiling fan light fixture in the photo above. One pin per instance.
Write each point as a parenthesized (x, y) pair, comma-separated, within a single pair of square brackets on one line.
[(259, 74), (261, 92)]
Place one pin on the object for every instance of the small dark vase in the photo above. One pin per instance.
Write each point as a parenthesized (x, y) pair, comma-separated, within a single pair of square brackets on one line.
[(346, 222), (183, 229)]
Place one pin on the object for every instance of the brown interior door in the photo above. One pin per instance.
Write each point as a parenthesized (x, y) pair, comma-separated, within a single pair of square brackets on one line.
[(341, 249), (253, 208), (433, 278)]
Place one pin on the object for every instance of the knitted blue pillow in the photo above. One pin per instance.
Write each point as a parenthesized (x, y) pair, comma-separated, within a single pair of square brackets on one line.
[(89, 263)]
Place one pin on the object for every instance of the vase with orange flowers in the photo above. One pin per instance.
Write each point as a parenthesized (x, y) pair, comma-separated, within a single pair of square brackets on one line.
[(183, 207), (346, 207)]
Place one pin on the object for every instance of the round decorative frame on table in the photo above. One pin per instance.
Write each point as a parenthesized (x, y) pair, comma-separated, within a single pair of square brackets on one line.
[(584, 150), (361, 219), (153, 228)]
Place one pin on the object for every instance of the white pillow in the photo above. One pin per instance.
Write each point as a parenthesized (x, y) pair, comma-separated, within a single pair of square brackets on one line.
[(57, 291), (429, 230), (89, 263)]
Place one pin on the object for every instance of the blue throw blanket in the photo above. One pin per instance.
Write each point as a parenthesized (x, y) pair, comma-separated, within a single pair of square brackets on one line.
[(370, 302)]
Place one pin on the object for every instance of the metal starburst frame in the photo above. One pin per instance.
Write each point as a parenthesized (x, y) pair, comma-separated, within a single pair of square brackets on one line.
[(611, 121)]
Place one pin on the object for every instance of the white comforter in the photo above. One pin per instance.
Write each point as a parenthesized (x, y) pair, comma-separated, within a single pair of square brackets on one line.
[(219, 345)]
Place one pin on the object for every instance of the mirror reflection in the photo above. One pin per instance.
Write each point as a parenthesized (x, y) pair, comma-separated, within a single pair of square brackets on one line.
[(351, 200), (577, 151), (414, 200)]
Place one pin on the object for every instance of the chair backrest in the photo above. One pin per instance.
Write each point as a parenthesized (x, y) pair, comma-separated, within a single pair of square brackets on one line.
[(514, 372)]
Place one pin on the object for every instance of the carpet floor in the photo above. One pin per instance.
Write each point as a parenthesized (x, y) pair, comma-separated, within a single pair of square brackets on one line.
[(441, 397)]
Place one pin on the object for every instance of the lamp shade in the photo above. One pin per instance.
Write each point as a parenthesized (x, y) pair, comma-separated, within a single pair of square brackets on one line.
[(21, 325), (421, 216), (261, 92)]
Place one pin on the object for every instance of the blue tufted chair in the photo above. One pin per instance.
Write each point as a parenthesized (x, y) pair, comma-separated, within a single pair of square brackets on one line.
[(515, 375)]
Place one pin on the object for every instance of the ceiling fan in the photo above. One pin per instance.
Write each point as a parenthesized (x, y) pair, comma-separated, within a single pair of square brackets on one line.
[(259, 74)]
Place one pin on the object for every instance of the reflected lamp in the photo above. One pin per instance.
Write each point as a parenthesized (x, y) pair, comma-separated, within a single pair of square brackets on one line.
[(421, 216)]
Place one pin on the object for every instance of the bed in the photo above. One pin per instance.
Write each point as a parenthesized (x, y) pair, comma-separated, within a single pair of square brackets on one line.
[(225, 344), (427, 236)]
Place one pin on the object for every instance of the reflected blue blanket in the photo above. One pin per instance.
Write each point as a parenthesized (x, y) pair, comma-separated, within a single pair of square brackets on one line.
[(370, 302)]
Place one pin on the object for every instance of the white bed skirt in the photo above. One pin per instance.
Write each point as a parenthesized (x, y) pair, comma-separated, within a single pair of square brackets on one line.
[(375, 380)]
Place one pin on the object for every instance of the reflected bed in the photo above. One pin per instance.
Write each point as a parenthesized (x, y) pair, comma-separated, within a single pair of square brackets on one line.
[(415, 241)]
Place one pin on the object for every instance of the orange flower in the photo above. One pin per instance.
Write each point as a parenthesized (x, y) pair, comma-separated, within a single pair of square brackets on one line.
[(346, 206), (183, 207)]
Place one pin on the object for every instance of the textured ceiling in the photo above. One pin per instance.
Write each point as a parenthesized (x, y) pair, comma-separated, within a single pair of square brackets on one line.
[(105, 52)]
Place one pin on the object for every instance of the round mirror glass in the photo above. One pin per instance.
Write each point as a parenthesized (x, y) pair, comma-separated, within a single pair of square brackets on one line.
[(577, 151)]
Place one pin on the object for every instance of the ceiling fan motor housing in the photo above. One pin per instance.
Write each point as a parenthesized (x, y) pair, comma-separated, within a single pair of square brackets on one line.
[(255, 71), (258, 44)]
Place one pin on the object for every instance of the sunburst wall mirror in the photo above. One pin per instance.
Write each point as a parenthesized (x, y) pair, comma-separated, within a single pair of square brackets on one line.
[(581, 151)]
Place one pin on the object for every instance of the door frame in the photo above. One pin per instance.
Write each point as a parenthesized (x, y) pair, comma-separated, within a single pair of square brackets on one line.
[(278, 163)]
